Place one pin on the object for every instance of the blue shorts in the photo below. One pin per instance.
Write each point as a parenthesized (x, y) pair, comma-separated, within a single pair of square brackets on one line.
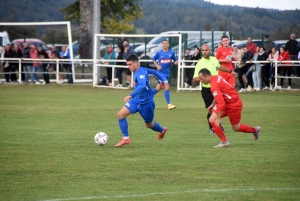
[(146, 110), (165, 77)]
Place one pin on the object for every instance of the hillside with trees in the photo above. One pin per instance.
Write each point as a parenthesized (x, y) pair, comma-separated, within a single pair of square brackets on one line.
[(159, 16)]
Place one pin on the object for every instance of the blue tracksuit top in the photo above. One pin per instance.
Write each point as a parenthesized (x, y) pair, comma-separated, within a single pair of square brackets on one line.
[(142, 92), (164, 59)]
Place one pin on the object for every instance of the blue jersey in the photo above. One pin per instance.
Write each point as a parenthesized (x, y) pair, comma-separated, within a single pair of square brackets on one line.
[(164, 59), (142, 91)]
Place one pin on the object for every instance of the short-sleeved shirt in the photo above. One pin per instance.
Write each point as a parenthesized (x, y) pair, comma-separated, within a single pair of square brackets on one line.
[(164, 59), (223, 53), (212, 64)]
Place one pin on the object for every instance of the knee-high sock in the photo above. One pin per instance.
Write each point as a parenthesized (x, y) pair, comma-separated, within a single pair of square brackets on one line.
[(156, 127), (167, 96), (124, 127), (218, 131), (246, 129), (208, 115)]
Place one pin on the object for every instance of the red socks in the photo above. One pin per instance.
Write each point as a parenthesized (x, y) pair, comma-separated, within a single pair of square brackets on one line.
[(246, 129), (218, 131)]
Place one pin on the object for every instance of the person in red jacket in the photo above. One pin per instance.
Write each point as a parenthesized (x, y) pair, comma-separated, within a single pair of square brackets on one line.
[(251, 46), (226, 103), (224, 55), (286, 68)]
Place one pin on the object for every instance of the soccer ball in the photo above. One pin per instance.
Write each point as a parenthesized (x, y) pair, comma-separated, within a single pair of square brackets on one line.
[(101, 138)]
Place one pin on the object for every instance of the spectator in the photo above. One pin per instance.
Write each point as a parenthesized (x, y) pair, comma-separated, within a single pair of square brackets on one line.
[(7, 65), (121, 41), (247, 57), (265, 68), (67, 66), (37, 66), (121, 63), (55, 55), (237, 55), (127, 51), (43, 55), (83, 43), (285, 69), (292, 47), (109, 55), (256, 72), (27, 65), (189, 72), (16, 53), (268, 44), (251, 46), (273, 56)]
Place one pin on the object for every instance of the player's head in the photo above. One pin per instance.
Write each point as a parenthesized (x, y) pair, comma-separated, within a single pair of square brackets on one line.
[(165, 45), (133, 62), (204, 75), (205, 50), (225, 41)]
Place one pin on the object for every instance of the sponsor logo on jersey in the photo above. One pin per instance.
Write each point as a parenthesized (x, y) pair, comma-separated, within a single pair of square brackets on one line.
[(127, 104), (165, 61), (142, 76)]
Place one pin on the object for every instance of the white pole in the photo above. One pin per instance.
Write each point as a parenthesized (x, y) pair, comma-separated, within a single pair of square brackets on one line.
[(179, 61), (71, 49)]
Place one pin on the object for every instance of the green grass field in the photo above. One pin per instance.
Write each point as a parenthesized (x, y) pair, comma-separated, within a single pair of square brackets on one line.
[(47, 150)]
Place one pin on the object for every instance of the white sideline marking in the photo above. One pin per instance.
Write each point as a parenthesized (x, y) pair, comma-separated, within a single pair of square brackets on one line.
[(175, 192)]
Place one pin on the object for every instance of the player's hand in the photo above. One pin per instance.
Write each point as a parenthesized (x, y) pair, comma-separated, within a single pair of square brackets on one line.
[(158, 67), (127, 98), (210, 108), (233, 73)]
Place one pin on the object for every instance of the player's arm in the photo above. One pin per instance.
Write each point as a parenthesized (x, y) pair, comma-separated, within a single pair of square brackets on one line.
[(157, 76), (154, 60), (226, 70), (140, 85), (175, 59)]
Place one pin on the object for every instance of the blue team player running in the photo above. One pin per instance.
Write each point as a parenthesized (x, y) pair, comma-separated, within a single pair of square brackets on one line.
[(140, 100), (163, 60)]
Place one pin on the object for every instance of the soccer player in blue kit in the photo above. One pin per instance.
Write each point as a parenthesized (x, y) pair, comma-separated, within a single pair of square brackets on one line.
[(163, 60), (140, 100)]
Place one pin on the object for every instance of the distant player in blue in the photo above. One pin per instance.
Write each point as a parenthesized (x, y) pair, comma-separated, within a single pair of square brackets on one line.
[(140, 100), (163, 60)]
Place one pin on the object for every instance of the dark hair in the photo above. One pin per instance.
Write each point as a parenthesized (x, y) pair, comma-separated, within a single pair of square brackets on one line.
[(204, 71), (262, 48), (245, 47), (282, 48), (197, 48), (224, 37), (234, 46), (188, 49), (165, 40), (132, 58)]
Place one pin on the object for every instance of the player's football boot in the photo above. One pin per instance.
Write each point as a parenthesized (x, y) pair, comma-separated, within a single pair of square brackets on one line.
[(123, 142), (161, 135), (171, 107), (256, 133), (222, 144)]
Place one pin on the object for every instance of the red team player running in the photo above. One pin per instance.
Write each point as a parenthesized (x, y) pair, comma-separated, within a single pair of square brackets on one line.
[(226, 103), (224, 55)]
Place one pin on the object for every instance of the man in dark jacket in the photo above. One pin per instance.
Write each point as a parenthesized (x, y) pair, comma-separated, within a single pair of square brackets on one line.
[(43, 55), (16, 53), (292, 47)]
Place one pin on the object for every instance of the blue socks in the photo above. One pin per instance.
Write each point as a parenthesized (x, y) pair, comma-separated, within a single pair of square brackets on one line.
[(167, 96), (124, 127), (157, 127), (154, 90)]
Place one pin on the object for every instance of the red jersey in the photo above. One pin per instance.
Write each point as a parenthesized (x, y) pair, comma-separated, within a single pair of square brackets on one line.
[(223, 53), (224, 93)]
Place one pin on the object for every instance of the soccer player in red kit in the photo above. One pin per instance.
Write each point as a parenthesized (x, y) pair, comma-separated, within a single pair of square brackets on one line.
[(226, 103), (224, 55)]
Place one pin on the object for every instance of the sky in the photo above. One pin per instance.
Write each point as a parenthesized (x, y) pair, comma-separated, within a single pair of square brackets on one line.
[(275, 4)]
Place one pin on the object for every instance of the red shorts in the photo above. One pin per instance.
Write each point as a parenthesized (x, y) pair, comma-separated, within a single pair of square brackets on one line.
[(233, 111)]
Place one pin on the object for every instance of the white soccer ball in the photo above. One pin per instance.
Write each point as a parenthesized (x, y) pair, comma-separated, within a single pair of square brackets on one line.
[(101, 138)]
